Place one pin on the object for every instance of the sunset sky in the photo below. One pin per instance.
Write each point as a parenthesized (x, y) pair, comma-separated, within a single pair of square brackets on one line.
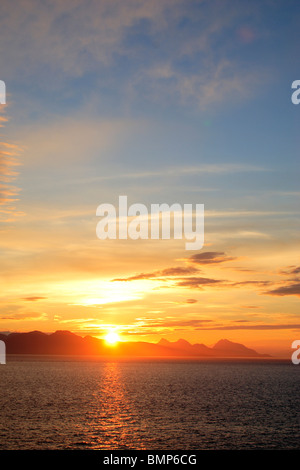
[(163, 101)]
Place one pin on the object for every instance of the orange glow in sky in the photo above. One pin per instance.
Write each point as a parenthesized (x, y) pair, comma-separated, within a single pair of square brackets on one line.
[(164, 104)]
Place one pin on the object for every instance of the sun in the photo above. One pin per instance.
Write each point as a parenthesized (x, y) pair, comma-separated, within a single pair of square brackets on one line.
[(112, 338)]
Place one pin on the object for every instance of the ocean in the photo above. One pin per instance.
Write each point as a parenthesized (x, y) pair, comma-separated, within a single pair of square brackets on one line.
[(87, 403)]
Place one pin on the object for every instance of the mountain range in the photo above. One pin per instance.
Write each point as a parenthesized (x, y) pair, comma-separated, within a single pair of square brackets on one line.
[(67, 343)]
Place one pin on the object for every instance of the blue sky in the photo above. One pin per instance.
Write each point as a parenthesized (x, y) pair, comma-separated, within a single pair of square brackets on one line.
[(210, 81)]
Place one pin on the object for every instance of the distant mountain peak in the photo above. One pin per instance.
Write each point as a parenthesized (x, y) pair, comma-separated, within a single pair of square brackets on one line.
[(32, 333), (183, 342), (180, 343), (63, 333), (225, 344), (164, 342), (229, 347)]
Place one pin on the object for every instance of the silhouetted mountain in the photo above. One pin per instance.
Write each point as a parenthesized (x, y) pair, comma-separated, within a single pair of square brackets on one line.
[(67, 343), (186, 348), (227, 348)]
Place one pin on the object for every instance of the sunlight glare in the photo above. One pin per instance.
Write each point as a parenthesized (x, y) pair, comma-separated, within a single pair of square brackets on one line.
[(112, 338)]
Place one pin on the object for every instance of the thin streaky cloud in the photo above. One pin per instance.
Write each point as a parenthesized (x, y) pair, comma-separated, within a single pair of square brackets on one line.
[(290, 270), (196, 282), (291, 289), (34, 298), (253, 327), (9, 160), (178, 171), (210, 257), (178, 323), (168, 272), (250, 213)]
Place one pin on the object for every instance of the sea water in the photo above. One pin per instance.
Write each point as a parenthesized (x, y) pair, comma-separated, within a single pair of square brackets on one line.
[(87, 403)]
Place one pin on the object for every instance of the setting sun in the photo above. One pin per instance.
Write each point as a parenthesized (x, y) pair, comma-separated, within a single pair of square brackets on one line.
[(112, 338)]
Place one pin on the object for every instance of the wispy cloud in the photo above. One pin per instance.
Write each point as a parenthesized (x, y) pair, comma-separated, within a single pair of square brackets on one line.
[(220, 80), (9, 160), (33, 298), (210, 257), (294, 326), (290, 270), (18, 313), (291, 289), (25, 316), (164, 273), (191, 277), (59, 34), (198, 282), (213, 169), (67, 39), (170, 323)]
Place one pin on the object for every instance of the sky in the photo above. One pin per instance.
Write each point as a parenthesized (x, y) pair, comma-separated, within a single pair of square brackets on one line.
[(165, 101)]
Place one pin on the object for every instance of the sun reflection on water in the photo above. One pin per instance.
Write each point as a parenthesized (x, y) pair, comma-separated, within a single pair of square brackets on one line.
[(112, 417)]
